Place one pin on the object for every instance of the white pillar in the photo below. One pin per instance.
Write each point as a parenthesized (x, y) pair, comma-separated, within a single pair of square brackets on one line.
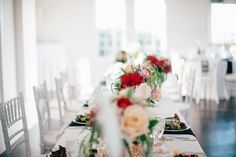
[(26, 56), (130, 21)]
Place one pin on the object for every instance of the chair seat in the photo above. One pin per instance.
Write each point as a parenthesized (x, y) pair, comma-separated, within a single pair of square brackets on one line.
[(230, 77)]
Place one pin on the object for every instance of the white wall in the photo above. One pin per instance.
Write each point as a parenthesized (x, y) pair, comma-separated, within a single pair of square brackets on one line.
[(72, 24), (187, 22)]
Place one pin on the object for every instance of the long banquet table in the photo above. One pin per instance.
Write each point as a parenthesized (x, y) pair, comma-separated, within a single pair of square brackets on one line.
[(183, 142)]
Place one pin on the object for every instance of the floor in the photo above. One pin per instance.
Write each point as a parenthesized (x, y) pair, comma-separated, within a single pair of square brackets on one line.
[(214, 126)]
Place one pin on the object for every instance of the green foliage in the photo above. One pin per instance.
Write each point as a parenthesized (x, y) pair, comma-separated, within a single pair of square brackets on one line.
[(152, 124), (156, 78), (115, 87), (126, 144), (130, 92), (123, 71), (142, 138)]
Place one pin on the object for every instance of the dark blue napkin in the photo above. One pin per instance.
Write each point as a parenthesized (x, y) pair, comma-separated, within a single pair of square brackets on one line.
[(76, 124), (185, 132)]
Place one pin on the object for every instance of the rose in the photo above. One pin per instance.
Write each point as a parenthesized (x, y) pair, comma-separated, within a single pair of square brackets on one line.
[(131, 79), (123, 102), (143, 91), (163, 63), (92, 116), (134, 121), (167, 67), (153, 60)]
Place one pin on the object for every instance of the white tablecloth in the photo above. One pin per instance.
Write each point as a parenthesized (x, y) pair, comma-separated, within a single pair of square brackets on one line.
[(181, 143)]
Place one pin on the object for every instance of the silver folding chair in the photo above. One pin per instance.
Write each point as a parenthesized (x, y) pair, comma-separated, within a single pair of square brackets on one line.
[(60, 95), (11, 113), (60, 86), (48, 137)]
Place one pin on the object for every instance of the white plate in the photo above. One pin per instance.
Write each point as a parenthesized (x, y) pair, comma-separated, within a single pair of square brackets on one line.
[(80, 123), (179, 130)]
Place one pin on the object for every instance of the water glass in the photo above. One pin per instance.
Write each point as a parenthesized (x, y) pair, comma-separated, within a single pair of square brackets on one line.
[(158, 129)]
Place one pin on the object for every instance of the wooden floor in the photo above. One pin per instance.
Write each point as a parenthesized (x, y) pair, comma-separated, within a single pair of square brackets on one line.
[(214, 126)]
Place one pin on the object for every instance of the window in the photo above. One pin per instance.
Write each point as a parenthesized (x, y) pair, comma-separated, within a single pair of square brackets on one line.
[(150, 25), (111, 26), (223, 23)]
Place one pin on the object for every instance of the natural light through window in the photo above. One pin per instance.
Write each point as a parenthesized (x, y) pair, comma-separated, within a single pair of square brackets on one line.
[(111, 26), (150, 24), (223, 26)]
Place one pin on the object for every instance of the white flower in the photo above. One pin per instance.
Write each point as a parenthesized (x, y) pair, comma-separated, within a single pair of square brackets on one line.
[(143, 91), (134, 121)]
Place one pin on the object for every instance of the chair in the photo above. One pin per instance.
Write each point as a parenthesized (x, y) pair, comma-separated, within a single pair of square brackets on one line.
[(183, 107), (231, 82), (221, 83), (60, 83), (48, 137), (206, 83), (11, 112)]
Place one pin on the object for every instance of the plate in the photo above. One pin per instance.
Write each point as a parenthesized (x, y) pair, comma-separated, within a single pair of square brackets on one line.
[(80, 123), (178, 130)]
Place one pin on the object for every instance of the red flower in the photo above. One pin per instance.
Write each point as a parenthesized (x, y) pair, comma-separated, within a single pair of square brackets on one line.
[(152, 59), (164, 64), (131, 79), (167, 68), (92, 115), (123, 102)]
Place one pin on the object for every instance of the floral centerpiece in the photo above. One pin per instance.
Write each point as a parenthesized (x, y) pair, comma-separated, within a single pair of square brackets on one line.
[(136, 125), (137, 88), (146, 78)]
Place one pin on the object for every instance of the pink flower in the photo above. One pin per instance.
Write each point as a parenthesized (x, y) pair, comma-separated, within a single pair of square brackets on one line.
[(145, 73), (155, 94)]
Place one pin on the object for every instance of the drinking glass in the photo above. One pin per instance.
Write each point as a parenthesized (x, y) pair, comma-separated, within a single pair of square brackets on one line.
[(158, 129)]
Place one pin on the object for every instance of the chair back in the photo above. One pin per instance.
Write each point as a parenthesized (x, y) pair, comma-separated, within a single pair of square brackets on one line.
[(60, 92), (191, 83), (60, 98), (221, 73), (43, 109), (11, 113)]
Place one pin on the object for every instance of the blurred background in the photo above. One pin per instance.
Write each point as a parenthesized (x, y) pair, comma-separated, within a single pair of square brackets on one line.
[(44, 39)]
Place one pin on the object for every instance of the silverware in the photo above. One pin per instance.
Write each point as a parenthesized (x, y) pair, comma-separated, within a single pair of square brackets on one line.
[(172, 138), (200, 154)]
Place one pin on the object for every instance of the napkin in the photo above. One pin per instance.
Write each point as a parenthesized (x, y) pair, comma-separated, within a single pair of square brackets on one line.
[(59, 153)]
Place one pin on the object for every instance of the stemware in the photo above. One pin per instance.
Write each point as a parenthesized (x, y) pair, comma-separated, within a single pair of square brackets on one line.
[(158, 129)]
